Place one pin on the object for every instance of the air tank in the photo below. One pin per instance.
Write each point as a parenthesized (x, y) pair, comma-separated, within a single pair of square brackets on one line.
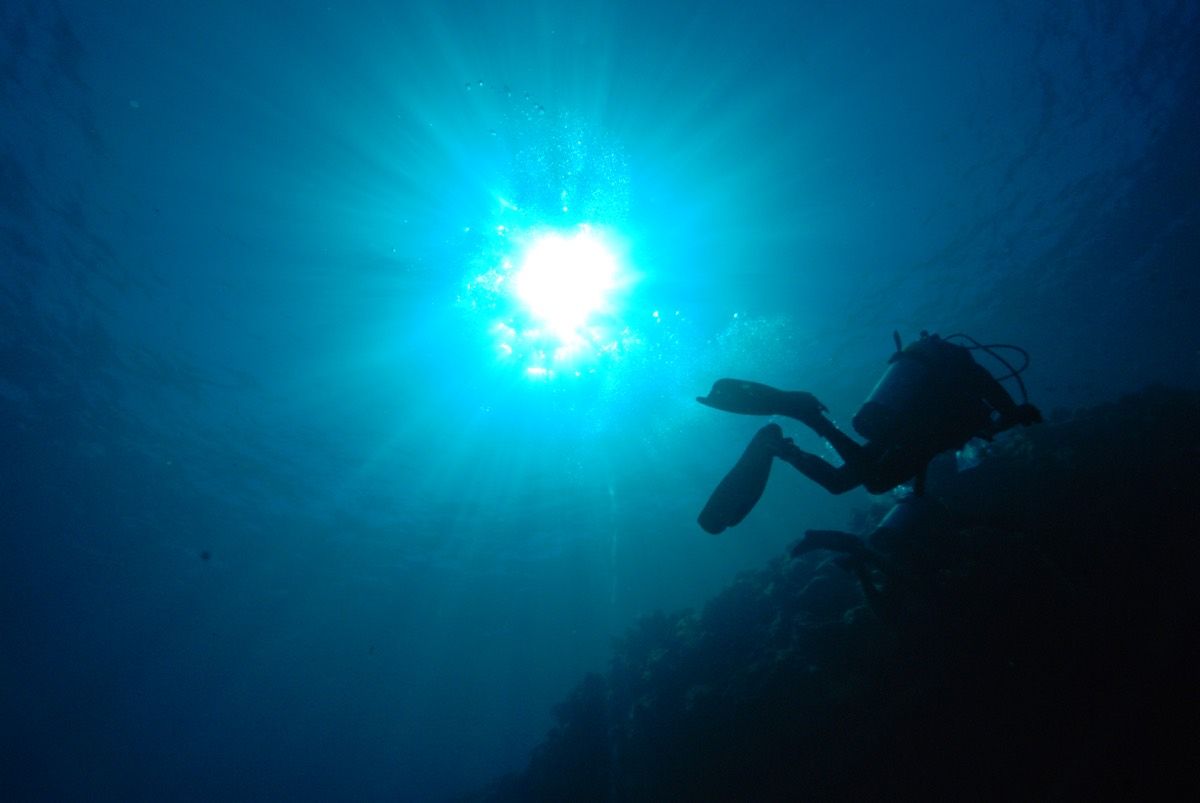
[(909, 391)]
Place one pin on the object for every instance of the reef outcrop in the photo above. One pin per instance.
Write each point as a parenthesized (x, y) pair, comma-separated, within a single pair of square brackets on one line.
[(1048, 649)]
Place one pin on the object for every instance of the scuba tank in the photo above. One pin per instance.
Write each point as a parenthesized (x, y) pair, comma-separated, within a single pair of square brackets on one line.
[(922, 383)]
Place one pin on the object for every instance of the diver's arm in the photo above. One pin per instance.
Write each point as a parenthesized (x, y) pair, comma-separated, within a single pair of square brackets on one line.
[(1011, 413)]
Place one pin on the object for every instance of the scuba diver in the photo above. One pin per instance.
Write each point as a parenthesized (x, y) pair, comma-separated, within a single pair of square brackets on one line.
[(933, 397)]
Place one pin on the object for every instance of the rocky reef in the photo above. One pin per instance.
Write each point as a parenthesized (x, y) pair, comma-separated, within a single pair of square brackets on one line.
[(1035, 638)]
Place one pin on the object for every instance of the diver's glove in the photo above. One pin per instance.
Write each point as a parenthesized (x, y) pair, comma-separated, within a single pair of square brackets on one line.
[(754, 398)]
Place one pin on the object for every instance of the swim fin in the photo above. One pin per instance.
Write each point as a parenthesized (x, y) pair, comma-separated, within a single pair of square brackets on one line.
[(754, 398), (743, 486)]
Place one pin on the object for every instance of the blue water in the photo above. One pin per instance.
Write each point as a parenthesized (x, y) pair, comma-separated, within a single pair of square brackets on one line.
[(286, 516)]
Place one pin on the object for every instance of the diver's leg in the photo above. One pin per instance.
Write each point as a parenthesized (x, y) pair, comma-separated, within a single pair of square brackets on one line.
[(852, 453), (834, 480)]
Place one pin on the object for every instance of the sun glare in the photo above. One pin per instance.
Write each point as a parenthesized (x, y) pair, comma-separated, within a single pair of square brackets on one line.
[(564, 280), (548, 262), (559, 293)]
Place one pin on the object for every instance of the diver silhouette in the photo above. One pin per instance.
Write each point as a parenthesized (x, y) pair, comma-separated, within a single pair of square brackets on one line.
[(932, 398)]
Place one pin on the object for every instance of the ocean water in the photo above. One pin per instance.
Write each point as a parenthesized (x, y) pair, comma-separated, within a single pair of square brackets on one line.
[(304, 495)]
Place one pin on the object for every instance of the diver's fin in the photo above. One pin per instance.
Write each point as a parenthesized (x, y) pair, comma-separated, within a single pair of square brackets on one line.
[(755, 398), (742, 487), (742, 396)]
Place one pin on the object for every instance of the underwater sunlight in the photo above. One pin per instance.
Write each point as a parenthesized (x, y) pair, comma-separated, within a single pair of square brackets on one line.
[(564, 280), (547, 245), (558, 293)]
